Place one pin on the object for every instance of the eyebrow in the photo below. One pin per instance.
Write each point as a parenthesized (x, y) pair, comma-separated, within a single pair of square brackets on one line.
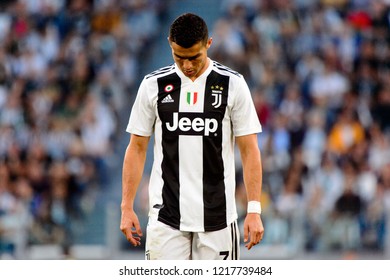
[(187, 57)]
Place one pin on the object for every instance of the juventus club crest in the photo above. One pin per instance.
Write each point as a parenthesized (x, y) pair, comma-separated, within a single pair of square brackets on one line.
[(217, 94)]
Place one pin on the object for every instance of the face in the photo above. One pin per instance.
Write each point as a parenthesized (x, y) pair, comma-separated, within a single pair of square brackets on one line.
[(191, 61)]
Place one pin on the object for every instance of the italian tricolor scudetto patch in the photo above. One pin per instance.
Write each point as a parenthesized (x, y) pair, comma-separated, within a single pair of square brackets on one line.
[(192, 98)]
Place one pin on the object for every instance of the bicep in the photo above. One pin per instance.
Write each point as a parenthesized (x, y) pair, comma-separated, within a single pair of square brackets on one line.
[(139, 143), (248, 145), (135, 155)]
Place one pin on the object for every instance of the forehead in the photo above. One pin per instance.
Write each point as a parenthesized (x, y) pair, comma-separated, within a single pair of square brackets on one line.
[(187, 52)]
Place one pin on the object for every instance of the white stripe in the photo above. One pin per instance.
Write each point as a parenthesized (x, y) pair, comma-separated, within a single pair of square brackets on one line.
[(229, 171), (191, 171), (191, 183), (156, 182)]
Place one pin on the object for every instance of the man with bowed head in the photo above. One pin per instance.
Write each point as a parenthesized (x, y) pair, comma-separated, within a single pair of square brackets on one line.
[(197, 109)]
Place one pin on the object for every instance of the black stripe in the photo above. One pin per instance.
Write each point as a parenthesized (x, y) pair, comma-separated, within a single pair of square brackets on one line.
[(237, 243), (213, 169), (170, 211), (225, 68), (159, 71), (233, 241)]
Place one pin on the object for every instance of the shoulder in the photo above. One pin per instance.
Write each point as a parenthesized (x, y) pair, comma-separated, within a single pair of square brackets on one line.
[(164, 71), (225, 70), (237, 81)]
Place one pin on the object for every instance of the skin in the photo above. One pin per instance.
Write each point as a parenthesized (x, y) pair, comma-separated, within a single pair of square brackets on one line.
[(252, 168), (133, 168), (192, 62)]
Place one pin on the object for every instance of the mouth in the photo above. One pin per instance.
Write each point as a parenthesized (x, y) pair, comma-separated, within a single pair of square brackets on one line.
[(189, 72)]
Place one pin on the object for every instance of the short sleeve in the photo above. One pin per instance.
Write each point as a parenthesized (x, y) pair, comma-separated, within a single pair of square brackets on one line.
[(244, 117), (143, 116)]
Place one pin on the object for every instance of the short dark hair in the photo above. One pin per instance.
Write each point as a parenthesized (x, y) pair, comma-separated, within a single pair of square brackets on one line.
[(188, 29)]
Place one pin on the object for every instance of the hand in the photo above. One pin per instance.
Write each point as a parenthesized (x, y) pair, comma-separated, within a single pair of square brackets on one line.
[(130, 227), (253, 228)]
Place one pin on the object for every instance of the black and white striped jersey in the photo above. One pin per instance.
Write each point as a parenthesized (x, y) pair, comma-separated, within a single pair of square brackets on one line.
[(192, 184)]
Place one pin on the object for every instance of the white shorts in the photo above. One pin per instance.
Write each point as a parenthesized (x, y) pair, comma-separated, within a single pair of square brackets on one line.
[(166, 243)]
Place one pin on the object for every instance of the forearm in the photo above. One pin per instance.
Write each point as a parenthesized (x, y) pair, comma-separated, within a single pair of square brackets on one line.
[(252, 167), (252, 173), (133, 167)]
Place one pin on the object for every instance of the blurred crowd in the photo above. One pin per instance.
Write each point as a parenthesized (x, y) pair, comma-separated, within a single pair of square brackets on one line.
[(319, 71), (67, 69), (320, 76)]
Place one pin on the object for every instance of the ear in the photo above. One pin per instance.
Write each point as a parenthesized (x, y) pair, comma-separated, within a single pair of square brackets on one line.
[(209, 42)]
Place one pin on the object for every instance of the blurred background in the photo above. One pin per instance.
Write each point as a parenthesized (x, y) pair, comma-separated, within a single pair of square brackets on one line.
[(319, 71)]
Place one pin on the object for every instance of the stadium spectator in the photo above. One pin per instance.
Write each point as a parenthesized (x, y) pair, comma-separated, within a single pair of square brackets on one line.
[(65, 69), (60, 61)]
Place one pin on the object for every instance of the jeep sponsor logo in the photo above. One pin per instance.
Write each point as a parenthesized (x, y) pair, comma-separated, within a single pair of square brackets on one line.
[(192, 125)]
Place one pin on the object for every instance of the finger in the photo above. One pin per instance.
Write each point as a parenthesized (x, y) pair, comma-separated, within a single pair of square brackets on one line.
[(137, 227), (134, 240), (246, 233), (137, 232), (256, 237), (249, 245)]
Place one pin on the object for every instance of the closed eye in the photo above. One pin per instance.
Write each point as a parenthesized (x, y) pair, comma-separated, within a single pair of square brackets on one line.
[(187, 57)]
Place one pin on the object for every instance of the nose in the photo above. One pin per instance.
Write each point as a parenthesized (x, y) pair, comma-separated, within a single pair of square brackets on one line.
[(187, 64)]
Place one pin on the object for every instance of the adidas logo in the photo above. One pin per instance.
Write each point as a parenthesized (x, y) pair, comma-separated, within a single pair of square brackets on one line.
[(168, 99)]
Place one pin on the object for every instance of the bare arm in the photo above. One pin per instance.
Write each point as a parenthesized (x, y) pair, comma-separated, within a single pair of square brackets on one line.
[(252, 169), (133, 167)]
